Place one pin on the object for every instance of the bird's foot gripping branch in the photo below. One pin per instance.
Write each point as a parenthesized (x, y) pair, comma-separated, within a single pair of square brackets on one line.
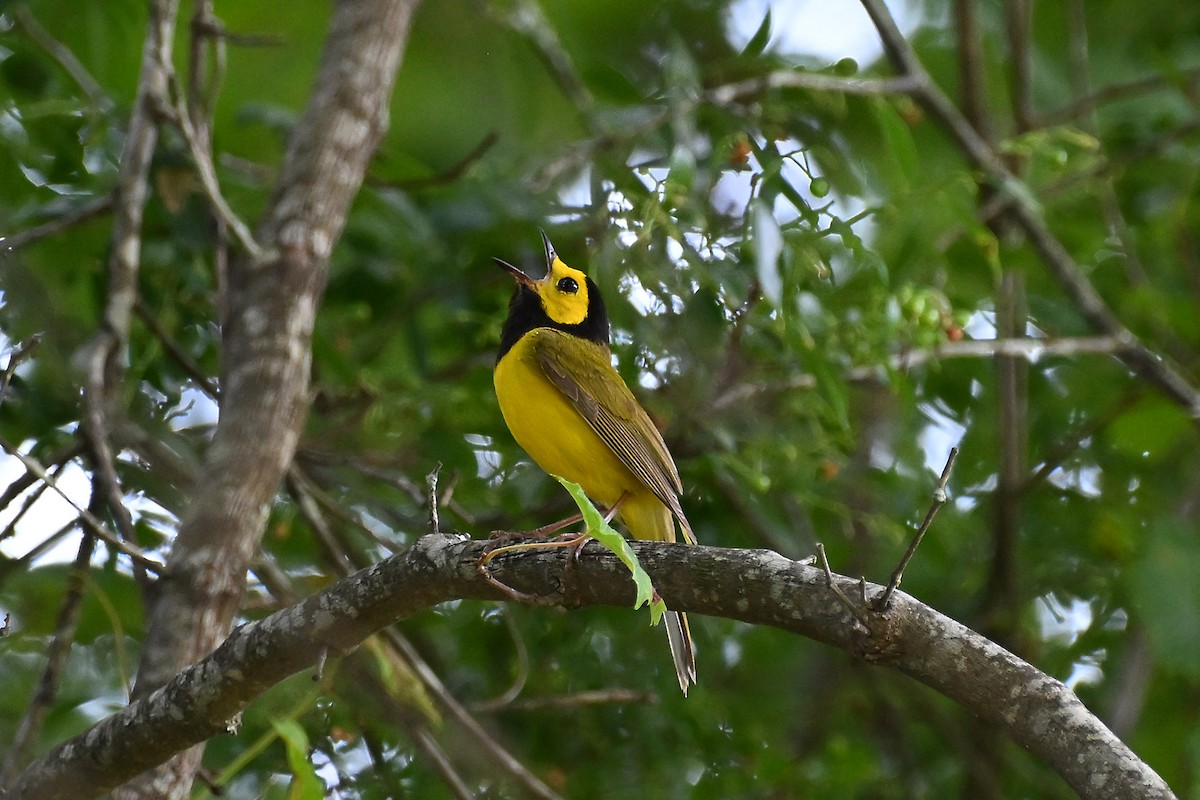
[(596, 526)]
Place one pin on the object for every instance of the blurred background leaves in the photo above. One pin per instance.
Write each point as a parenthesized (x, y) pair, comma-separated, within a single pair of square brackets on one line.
[(771, 263)]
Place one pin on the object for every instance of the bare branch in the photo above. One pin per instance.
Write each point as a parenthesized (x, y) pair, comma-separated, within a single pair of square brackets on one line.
[(448, 175), (56, 658), (795, 79), (1085, 104), (1018, 26), (16, 355), (66, 59), (1026, 212), (754, 586), (856, 611), (1030, 349), (939, 500), (197, 142), (574, 700), (93, 523), (76, 216)]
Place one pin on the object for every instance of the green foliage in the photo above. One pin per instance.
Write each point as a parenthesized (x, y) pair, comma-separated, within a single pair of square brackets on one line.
[(601, 531), (788, 274), (305, 784)]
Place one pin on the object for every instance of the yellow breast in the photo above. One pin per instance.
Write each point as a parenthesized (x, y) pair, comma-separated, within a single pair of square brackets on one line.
[(553, 433)]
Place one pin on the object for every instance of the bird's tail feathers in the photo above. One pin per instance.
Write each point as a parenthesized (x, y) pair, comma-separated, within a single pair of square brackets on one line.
[(683, 649)]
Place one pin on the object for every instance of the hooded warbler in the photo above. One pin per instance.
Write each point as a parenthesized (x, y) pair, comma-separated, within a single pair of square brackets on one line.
[(570, 410)]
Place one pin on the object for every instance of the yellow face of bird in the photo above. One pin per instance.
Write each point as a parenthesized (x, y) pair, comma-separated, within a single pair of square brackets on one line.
[(565, 299), (564, 293)]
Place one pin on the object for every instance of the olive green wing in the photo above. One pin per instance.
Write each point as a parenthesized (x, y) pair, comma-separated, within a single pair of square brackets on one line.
[(583, 372)]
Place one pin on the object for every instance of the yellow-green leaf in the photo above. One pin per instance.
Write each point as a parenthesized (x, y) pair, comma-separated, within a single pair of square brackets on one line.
[(608, 536)]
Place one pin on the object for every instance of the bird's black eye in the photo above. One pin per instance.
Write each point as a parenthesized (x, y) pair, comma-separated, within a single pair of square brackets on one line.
[(568, 285)]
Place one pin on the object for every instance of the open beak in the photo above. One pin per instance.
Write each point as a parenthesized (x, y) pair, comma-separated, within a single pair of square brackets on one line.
[(550, 254), (520, 276)]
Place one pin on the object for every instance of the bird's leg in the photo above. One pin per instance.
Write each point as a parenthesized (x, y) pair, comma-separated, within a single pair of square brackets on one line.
[(555, 527), (575, 541), (499, 537), (491, 550), (497, 545)]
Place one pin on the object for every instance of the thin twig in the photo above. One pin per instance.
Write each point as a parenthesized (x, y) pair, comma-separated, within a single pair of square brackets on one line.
[(855, 610), (795, 79), (437, 759), (508, 697), (27, 503), (1029, 349), (202, 160), (939, 500), (1027, 214), (93, 524), (34, 717), (202, 380), (1114, 165), (309, 485), (412, 489), (595, 697), (212, 27), (491, 747), (16, 355), (24, 562), (528, 18), (431, 482), (449, 175), (1119, 91), (1073, 440), (576, 156), (300, 487), (96, 434), (66, 59), (77, 215)]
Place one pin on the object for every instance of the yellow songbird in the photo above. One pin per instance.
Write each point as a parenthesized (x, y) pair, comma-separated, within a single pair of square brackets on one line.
[(568, 408)]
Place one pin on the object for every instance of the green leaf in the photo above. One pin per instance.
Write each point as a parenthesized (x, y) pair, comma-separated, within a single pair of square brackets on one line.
[(608, 536), (1152, 429), (1163, 581), (305, 783), (758, 42), (898, 139)]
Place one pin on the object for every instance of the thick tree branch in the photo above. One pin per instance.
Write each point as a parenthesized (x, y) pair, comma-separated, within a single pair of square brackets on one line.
[(754, 586)]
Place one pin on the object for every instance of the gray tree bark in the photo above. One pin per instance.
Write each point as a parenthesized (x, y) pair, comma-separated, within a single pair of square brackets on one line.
[(754, 586), (271, 307)]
